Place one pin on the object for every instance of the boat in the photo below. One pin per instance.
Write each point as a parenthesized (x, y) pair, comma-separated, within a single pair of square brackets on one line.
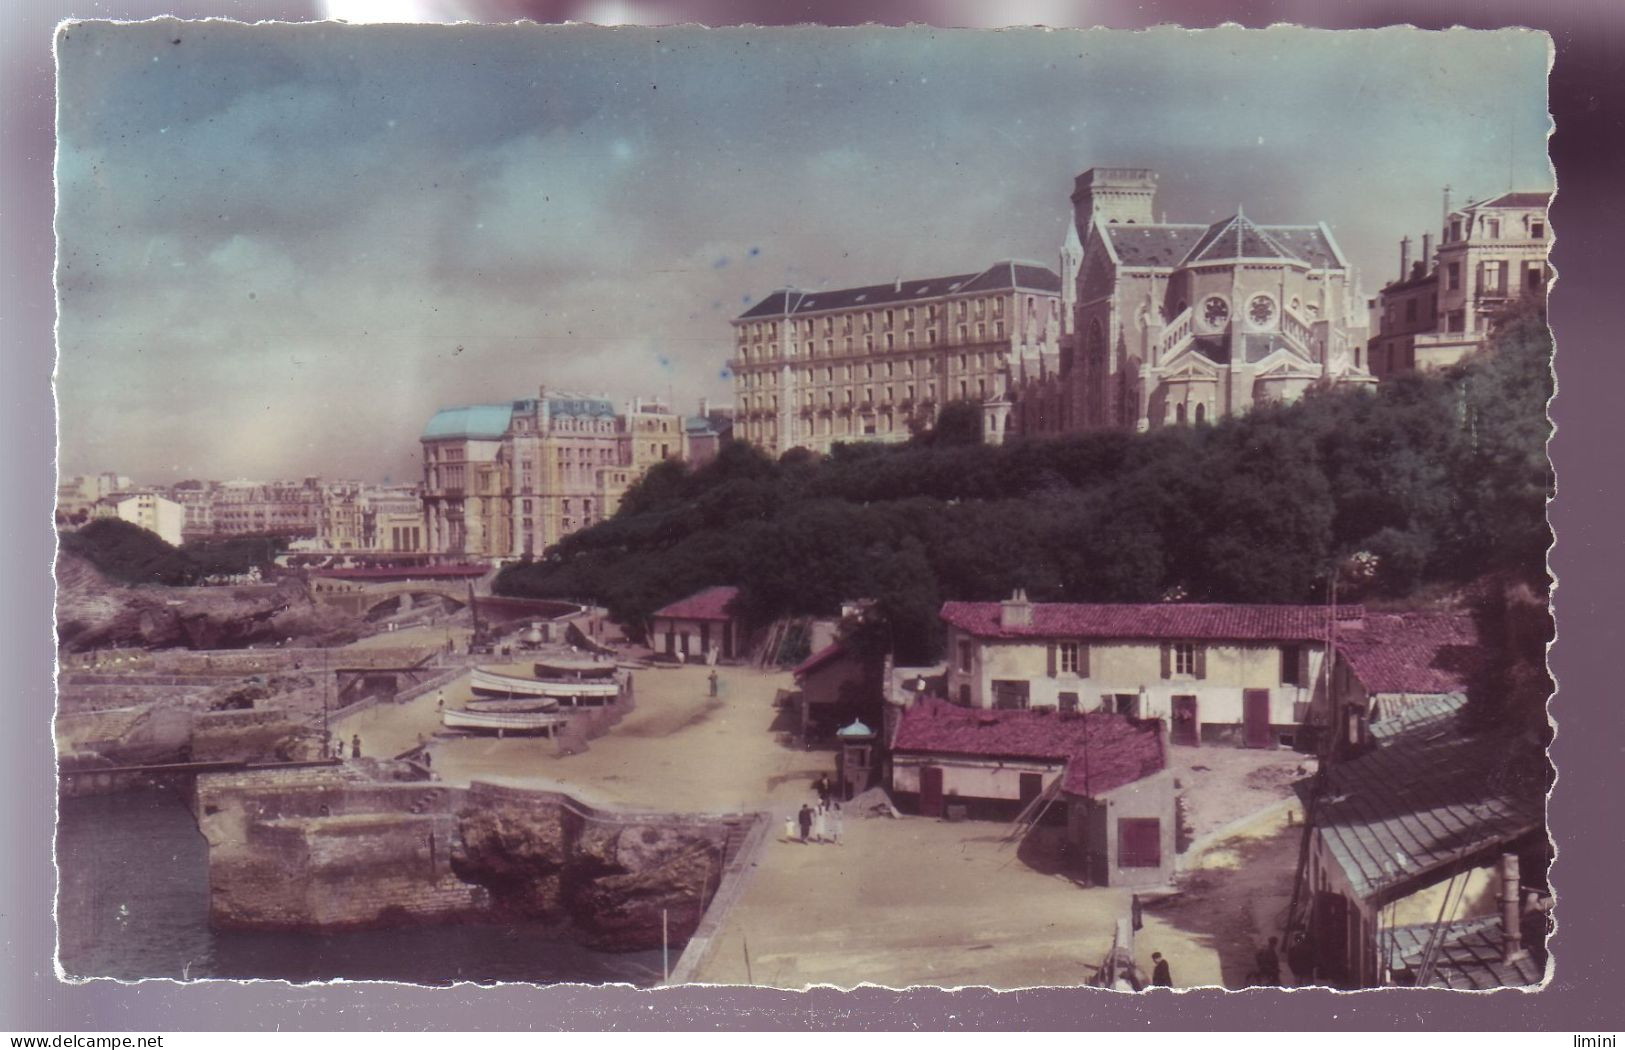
[(574, 692), (524, 705), (548, 722), (564, 669)]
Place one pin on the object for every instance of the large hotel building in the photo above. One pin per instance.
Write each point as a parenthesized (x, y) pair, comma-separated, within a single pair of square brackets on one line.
[(875, 363), (1149, 324)]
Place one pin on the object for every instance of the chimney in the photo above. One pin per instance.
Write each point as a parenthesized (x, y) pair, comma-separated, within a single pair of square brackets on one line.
[(1404, 258), (1511, 909), (1427, 252), (705, 407), (1017, 611)]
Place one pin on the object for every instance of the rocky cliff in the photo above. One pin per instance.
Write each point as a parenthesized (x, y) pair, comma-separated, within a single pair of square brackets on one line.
[(345, 848), (93, 612)]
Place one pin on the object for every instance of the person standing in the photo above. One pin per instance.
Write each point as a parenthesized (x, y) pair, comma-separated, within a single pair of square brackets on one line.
[(805, 819), (1269, 964), (821, 822), (835, 819), (1161, 975), (712, 677), (823, 788), (355, 746)]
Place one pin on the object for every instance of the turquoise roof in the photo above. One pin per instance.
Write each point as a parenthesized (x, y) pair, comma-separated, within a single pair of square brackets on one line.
[(856, 729), (482, 422)]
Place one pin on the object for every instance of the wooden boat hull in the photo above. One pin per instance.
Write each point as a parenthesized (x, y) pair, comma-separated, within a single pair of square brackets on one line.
[(528, 705), (507, 722), (492, 683)]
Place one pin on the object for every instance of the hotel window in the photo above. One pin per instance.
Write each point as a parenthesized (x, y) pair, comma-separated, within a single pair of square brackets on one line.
[(908, 340), (962, 307), (1537, 231), (829, 375), (849, 344), (931, 337), (1495, 229), (891, 316), (829, 325), (998, 308), (908, 315), (1453, 276), (809, 348), (963, 362), (962, 334), (889, 344), (981, 308), (888, 369), (964, 389), (868, 371), (998, 329), (869, 344), (868, 322), (829, 348), (981, 331), (849, 373)]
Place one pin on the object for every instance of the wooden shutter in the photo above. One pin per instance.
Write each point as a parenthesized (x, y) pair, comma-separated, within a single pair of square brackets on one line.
[(1201, 660), (1052, 659), (1289, 664), (1303, 666), (1167, 660), (1083, 660), (1139, 842)]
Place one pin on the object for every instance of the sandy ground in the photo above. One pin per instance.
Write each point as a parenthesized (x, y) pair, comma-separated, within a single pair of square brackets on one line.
[(423, 634), (1237, 893), (1222, 784), (899, 902), (922, 901), (679, 749)]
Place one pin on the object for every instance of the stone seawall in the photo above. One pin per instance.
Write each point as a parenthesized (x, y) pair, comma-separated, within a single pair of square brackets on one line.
[(342, 847)]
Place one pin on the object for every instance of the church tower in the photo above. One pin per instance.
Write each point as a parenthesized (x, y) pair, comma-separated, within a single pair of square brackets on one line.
[(1115, 194)]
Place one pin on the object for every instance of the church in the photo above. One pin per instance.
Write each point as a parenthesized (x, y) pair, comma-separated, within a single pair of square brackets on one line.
[(1180, 323)]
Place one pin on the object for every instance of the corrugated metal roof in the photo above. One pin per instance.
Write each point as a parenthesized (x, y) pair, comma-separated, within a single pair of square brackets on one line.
[(481, 422), (1468, 957), (1430, 794)]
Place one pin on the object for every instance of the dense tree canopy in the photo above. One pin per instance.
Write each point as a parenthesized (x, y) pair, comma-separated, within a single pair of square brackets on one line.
[(130, 554), (1439, 477)]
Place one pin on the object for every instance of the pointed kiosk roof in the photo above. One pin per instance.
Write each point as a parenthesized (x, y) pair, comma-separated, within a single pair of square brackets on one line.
[(1237, 237)]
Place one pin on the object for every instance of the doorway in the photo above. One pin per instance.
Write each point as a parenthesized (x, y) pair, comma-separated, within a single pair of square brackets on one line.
[(1255, 716), (1186, 730), (930, 791)]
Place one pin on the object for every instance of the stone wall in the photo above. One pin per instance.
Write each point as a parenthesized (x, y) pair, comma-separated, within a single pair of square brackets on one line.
[(342, 847)]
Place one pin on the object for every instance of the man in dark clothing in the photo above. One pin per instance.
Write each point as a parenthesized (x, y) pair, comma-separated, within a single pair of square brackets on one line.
[(355, 746), (1269, 964), (805, 818), (1161, 976), (822, 787)]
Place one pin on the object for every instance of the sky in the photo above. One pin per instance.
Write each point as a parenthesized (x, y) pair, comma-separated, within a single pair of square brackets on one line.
[(282, 247)]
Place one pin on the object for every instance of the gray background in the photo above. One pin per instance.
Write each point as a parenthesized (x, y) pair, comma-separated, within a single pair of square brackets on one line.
[(1588, 104)]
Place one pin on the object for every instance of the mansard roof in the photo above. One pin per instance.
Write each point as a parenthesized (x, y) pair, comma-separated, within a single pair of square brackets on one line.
[(1004, 275), (1518, 199)]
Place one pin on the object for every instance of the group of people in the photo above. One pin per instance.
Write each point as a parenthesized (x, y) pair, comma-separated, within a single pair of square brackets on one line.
[(822, 823)]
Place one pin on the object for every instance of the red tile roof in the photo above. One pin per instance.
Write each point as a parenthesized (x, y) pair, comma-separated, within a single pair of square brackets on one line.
[(1432, 653), (1169, 620), (1102, 751), (713, 603), (828, 654)]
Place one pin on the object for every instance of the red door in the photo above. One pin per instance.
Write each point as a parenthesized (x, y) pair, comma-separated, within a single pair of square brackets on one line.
[(1256, 717), (1186, 729), (930, 791)]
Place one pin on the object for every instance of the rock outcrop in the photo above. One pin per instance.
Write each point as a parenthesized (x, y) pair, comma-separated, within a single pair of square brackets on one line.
[(94, 612), (348, 847)]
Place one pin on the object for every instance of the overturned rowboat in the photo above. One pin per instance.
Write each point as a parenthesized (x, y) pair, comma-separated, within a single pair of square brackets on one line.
[(600, 690), (517, 705), (545, 722)]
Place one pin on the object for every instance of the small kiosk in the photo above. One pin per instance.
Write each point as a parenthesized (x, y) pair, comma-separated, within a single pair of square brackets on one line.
[(855, 771)]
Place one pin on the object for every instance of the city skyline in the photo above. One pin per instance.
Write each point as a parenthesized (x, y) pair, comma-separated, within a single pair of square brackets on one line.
[(282, 249)]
